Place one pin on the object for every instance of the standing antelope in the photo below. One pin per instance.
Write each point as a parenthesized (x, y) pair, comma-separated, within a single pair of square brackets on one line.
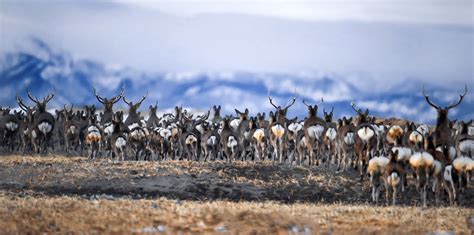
[(365, 140), (278, 128), (330, 136), (314, 128), (137, 134), (443, 132), (107, 115), (43, 124), (229, 140), (346, 137)]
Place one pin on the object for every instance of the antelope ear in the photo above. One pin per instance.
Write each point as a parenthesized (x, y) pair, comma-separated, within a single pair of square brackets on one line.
[(246, 111), (237, 111), (263, 115), (219, 107)]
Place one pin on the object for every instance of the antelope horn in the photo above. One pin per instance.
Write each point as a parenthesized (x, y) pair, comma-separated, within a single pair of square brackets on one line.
[(304, 102), (428, 99), (271, 101), (31, 96), (143, 98), (358, 111), (461, 97), (100, 99)]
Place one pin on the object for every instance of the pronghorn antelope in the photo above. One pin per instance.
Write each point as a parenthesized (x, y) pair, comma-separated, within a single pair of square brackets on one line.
[(375, 170), (443, 132), (43, 124), (314, 128), (229, 140), (392, 176), (153, 119), (133, 123), (278, 130), (71, 130), (422, 163), (345, 134), (9, 126), (442, 177), (210, 141), (259, 140), (295, 136), (365, 140), (93, 137), (190, 140), (330, 136), (217, 114), (118, 137), (107, 115), (243, 130)]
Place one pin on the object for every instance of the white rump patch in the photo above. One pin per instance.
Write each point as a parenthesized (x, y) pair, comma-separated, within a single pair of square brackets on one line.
[(421, 159), (349, 138), (165, 133), (120, 142), (470, 130), (212, 140), (377, 164), (278, 130), (11, 126), (93, 129), (448, 173), (295, 127), (393, 179), (365, 133), (246, 134), (200, 129), (423, 129), (415, 137), (259, 134), (461, 163), (235, 124), (109, 128), (231, 142), (45, 127), (331, 133), (404, 153), (436, 167), (133, 126), (466, 146), (315, 131), (191, 139)]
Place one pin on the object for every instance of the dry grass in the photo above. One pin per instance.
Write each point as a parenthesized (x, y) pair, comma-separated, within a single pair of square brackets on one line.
[(220, 198), (34, 214)]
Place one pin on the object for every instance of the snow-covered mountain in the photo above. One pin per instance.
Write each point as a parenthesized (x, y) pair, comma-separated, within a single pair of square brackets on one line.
[(42, 68)]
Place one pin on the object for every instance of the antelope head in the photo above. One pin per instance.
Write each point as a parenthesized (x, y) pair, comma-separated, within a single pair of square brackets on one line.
[(281, 112), (243, 115), (217, 110), (328, 116), (109, 103), (133, 108), (443, 112), (313, 109), (362, 117), (153, 109), (40, 105)]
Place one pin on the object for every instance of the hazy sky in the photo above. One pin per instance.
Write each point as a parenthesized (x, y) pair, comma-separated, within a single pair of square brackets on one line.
[(385, 40)]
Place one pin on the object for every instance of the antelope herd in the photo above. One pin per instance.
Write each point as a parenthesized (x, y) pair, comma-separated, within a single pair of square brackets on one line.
[(440, 158)]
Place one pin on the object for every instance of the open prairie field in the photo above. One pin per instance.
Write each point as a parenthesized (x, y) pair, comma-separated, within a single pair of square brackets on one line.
[(72, 194)]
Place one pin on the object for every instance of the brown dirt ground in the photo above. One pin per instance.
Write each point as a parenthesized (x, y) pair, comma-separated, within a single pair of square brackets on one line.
[(73, 194)]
